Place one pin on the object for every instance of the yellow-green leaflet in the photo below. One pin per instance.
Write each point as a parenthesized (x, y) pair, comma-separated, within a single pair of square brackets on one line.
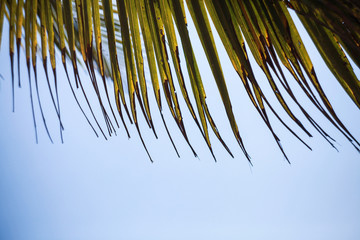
[(161, 57), (28, 17), (88, 27), (19, 18), (118, 85), (69, 25), (130, 65), (80, 26), (12, 26), (145, 30), (33, 31), (135, 37), (96, 19), (161, 33), (165, 12), (2, 11), (60, 26), (194, 74), (50, 31), (197, 11), (129, 61), (43, 30)]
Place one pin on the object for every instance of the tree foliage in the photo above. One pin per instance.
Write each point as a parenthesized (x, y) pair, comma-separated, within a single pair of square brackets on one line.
[(82, 29)]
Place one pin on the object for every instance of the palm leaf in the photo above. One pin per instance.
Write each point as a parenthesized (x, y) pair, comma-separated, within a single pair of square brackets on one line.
[(146, 34)]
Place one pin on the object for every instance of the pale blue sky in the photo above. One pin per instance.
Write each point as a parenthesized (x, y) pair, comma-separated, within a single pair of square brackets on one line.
[(89, 188)]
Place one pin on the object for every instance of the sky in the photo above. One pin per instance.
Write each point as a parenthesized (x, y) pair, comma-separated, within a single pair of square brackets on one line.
[(92, 188)]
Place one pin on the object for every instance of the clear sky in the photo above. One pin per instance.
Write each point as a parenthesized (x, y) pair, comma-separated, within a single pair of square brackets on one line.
[(89, 188)]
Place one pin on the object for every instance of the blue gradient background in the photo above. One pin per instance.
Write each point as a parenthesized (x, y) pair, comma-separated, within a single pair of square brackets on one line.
[(89, 188)]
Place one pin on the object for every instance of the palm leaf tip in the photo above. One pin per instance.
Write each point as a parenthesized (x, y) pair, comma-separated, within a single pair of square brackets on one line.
[(146, 35)]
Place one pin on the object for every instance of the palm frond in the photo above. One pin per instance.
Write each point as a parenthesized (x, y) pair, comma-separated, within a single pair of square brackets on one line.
[(146, 34)]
